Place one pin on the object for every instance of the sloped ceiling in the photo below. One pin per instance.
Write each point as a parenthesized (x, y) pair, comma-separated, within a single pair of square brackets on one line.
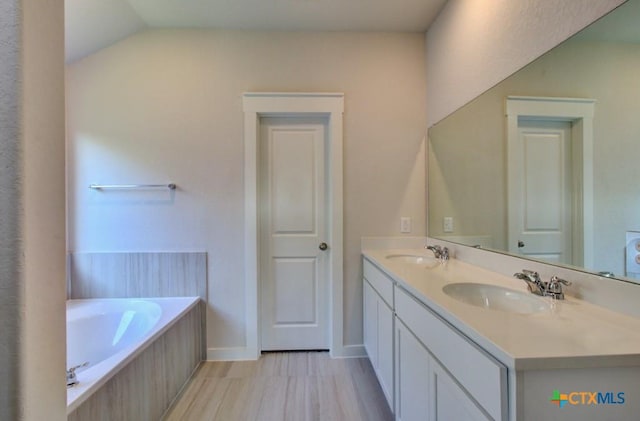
[(95, 24), (615, 27), (91, 25)]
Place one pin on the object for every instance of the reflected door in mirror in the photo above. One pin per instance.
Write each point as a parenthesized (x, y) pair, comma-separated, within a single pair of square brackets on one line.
[(541, 173)]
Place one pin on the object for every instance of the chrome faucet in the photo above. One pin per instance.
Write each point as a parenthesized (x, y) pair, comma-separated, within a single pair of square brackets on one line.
[(552, 289), (441, 253), (72, 380), (532, 278)]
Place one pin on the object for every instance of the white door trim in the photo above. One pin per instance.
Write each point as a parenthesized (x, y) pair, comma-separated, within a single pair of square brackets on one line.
[(580, 112), (274, 104)]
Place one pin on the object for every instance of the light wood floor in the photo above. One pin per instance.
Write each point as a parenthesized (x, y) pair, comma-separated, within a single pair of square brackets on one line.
[(283, 386)]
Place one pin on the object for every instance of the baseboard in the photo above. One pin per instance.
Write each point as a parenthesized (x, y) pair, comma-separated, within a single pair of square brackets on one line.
[(349, 351), (231, 354), (244, 354)]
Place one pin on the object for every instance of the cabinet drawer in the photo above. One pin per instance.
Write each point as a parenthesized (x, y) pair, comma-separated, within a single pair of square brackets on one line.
[(379, 281), (478, 372)]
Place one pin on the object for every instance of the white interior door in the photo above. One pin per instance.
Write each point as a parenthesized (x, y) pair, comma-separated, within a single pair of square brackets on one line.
[(294, 255), (541, 198)]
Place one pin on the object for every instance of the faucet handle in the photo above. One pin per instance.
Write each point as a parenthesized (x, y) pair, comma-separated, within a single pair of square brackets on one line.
[(73, 369), (530, 275), (555, 279), (72, 380), (444, 254), (554, 288)]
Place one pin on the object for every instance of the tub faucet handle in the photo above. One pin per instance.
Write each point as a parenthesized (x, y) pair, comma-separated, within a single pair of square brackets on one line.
[(72, 380)]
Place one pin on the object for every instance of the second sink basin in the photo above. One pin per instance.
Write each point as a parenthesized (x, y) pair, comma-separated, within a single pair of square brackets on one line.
[(496, 298)]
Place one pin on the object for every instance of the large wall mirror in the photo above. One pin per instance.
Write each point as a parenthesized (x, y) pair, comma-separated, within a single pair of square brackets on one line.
[(546, 164)]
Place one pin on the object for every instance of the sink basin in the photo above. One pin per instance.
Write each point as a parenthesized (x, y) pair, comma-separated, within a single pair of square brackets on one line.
[(497, 298), (412, 258)]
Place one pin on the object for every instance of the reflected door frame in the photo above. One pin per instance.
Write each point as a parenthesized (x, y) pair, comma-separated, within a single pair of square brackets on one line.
[(268, 104), (579, 112)]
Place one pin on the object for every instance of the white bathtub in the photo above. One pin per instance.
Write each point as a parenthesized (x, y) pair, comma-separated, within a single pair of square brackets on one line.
[(108, 333)]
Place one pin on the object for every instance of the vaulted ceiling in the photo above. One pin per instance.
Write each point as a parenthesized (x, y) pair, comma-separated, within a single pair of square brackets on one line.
[(95, 24)]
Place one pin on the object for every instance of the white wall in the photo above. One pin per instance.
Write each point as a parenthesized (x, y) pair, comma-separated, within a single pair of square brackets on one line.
[(473, 45), (165, 105), (32, 206)]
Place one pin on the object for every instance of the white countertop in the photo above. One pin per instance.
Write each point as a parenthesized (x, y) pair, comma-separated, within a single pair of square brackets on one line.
[(573, 334)]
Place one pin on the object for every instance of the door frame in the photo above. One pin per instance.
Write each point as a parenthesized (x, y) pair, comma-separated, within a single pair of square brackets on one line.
[(578, 111), (285, 104)]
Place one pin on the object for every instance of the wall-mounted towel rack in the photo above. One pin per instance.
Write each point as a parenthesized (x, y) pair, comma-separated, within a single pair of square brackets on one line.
[(169, 186)]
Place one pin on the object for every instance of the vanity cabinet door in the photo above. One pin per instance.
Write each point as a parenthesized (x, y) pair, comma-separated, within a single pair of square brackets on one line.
[(378, 338), (412, 376), (370, 322), (385, 350), (449, 401)]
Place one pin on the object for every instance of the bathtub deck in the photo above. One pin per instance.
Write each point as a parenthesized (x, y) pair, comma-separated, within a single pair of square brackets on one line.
[(292, 386)]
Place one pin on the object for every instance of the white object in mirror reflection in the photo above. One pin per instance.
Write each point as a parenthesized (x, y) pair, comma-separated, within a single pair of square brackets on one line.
[(633, 255)]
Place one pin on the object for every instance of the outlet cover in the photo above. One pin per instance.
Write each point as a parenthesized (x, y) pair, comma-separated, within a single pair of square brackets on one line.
[(448, 224), (405, 224)]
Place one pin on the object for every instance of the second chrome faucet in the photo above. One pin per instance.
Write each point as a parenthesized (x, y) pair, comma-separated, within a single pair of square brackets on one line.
[(537, 286), (441, 253)]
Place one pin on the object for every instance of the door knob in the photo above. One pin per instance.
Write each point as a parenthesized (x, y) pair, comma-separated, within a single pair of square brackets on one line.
[(323, 246), (520, 244)]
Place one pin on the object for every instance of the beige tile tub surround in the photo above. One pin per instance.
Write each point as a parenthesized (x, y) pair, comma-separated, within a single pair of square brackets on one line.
[(138, 274), (145, 388), (283, 385)]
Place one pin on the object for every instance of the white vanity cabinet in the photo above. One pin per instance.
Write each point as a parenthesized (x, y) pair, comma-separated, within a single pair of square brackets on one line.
[(378, 326), (427, 369), (464, 382), (441, 360)]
